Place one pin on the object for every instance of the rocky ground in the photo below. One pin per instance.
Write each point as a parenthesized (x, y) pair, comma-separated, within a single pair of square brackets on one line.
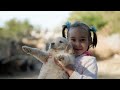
[(109, 69), (22, 75)]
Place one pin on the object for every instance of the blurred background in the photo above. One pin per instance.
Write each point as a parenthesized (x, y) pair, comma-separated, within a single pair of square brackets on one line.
[(37, 28)]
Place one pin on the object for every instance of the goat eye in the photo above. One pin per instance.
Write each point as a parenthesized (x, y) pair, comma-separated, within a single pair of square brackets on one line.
[(61, 42)]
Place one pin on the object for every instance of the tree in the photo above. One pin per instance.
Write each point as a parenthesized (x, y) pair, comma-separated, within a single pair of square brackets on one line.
[(15, 29), (89, 17)]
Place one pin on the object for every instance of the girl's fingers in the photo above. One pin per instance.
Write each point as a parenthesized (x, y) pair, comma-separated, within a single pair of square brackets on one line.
[(58, 62), (71, 67), (61, 63), (50, 55)]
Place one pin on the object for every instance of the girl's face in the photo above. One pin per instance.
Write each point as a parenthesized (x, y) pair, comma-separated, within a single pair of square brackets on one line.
[(79, 40)]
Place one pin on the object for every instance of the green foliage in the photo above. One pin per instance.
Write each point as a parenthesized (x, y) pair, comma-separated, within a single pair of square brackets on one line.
[(15, 29), (100, 19), (90, 18)]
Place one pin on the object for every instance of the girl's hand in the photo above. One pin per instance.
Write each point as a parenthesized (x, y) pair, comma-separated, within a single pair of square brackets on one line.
[(60, 64), (49, 55), (69, 69)]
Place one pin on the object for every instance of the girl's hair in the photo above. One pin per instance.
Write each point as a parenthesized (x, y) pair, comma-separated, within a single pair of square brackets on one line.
[(83, 26)]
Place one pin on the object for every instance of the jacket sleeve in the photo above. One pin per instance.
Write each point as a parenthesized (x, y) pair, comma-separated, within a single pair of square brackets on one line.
[(89, 72)]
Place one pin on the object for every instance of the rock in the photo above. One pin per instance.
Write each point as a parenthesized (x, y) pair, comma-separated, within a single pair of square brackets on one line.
[(107, 46)]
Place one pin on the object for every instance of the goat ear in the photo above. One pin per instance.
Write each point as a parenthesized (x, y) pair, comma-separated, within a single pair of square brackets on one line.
[(69, 49)]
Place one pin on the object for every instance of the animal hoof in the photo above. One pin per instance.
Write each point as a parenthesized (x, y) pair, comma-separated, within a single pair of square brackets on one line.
[(26, 49)]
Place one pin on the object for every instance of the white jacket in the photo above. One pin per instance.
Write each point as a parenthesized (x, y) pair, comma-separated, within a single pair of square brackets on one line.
[(85, 68)]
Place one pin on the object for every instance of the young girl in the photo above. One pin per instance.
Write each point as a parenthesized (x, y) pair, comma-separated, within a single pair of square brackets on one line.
[(79, 35)]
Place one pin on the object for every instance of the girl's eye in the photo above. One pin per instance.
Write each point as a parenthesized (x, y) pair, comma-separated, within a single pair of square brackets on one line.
[(82, 40), (73, 40)]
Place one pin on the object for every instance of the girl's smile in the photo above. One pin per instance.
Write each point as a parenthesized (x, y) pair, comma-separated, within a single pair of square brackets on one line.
[(77, 49), (79, 40)]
